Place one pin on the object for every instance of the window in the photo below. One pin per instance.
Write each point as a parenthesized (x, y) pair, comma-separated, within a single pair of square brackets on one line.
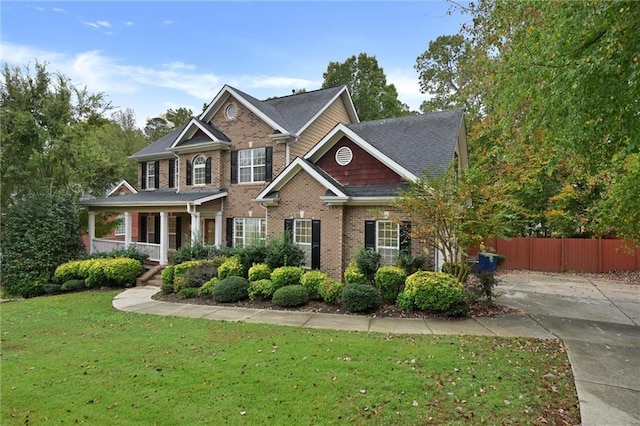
[(199, 170), (172, 232), (252, 165), (151, 229), (302, 237), (231, 111), (247, 231), (121, 227), (151, 174), (387, 241)]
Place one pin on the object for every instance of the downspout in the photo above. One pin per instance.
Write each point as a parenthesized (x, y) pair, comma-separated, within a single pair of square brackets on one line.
[(266, 219)]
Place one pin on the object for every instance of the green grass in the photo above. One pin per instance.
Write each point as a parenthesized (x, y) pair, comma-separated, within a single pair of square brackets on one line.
[(74, 359)]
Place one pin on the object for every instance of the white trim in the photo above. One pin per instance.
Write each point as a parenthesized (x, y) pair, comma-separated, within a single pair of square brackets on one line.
[(222, 96), (142, 204), (340, 131), (125, 184), (189, 130), (289, 172), (351, 111), (199, 147)]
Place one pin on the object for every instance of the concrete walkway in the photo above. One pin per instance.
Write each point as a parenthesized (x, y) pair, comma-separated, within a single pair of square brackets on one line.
[(598, 321)]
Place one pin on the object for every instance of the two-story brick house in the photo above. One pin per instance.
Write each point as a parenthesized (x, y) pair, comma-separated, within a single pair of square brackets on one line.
[(247, 169)]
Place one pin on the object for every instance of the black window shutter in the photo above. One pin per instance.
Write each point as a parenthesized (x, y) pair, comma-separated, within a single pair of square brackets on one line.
[(207, 171), (288, 228), (156, 169), (142, 228), (315, 244), (189, 172), (229, 232), (178, 232), (234, 166), (156, 229), (143, 175), (405, 237), (268, 162), (172, 173), (370, 234)]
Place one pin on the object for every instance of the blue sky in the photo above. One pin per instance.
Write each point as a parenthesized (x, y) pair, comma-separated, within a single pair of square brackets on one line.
[(151, 56)]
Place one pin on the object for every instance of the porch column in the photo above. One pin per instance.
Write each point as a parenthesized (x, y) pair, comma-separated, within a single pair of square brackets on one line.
[(164, 237), (219, 229), (195, 228), (92, 229), (127, 229)]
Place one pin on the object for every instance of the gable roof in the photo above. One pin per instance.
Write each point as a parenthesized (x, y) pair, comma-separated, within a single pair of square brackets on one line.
[(409, 145), (159, 148), (122, 185), (162, 197)]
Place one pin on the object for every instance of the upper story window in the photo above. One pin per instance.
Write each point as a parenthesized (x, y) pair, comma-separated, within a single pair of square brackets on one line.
[(231, 111), (151, 174), (252, 165), (199, 174)]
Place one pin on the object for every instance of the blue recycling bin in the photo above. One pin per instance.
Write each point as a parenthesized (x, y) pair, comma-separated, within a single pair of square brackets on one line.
[(487, 262)]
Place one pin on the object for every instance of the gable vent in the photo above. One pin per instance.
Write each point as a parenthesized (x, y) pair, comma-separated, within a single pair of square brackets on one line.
[(231, 111), (344, 156)]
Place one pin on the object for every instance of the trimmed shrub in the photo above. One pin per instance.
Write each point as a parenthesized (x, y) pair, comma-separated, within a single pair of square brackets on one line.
[(207, 288), (52, 288), (389, 280), (330, 291), (433, 291), (193, 273), (405, 303), (368, 261), (69, 271), (231, 267), (73, 285), (282, 251), (360, 297), (311, 280), (130, 252), (259, 271), (188, 293), (116, 272), (286, 275), (231, 289), (250, 255), (167, 279), (291, 295), (353, 275), (260, 290)]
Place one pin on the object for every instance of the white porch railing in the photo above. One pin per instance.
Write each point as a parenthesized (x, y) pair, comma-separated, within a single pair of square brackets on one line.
[(101, 245)]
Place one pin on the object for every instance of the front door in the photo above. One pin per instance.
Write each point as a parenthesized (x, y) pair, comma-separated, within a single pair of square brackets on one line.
[(209, 232)]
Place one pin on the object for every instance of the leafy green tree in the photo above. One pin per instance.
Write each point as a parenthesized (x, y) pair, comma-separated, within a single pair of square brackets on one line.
[(39, 233), (159, 126), (372, 97), (121, 138), (49, 136)]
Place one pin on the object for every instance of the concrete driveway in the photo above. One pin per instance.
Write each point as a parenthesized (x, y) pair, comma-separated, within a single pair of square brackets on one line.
[(600, 323)]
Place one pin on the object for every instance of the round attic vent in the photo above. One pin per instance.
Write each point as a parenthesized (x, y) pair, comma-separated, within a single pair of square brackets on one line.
[(344, 156), (231, 111)]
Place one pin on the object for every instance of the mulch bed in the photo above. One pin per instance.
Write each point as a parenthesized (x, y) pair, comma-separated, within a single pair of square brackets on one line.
[(384, 311)]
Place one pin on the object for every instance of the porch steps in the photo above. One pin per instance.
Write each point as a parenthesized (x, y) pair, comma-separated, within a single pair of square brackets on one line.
[(152, 277)]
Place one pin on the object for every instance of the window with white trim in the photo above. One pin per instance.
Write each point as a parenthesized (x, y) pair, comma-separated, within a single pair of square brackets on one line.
[(176, 168), (172, 232), (252, 165), (302, 237), (121, 226), (388, 241), (199, 165), (247, 230), (151, 174)]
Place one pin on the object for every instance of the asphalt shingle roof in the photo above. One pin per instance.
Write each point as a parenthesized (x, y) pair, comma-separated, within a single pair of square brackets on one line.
[(419, 143), (160, 146), (162, 196)]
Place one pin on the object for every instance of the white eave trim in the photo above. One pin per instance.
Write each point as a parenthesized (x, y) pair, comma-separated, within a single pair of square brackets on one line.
[(340, 131), (369, 201), (121, 184), (190, 130), (344, 93), (202, 200), (283, 137), (221, 97), (201, 146), (288, 173)]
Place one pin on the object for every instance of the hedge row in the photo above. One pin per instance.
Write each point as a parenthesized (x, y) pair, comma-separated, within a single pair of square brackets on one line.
[(109, 272)]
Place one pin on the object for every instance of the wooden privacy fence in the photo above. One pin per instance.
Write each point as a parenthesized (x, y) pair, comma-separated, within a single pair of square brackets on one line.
[(567, 254)]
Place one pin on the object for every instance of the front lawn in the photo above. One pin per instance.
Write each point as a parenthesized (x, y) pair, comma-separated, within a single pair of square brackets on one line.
[(73, 358)]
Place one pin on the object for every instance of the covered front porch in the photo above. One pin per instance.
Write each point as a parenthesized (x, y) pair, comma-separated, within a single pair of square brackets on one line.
[(167, 219)]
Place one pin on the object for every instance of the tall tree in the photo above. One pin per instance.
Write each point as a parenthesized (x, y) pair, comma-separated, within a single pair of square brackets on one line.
[(372, 97), (159, 126), (48, 129)]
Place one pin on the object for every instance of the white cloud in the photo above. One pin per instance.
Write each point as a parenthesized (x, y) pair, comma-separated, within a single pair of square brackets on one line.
[(128, 24), (408, 87), (97, 24), (105, 24), (59, 10), (168, 22), (177, 65)]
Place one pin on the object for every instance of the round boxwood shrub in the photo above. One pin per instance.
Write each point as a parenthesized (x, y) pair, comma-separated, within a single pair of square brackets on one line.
[(291, 295), (330, 291), (389, 280), (231, 289), (286, 275), (311, 280), (360, 297), (433, 291), (73, 285), (259, 271), (353, 275), (188, 292), (261, 289)]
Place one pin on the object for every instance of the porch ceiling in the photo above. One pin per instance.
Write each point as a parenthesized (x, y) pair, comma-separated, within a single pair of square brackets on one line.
[(155, 199)]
